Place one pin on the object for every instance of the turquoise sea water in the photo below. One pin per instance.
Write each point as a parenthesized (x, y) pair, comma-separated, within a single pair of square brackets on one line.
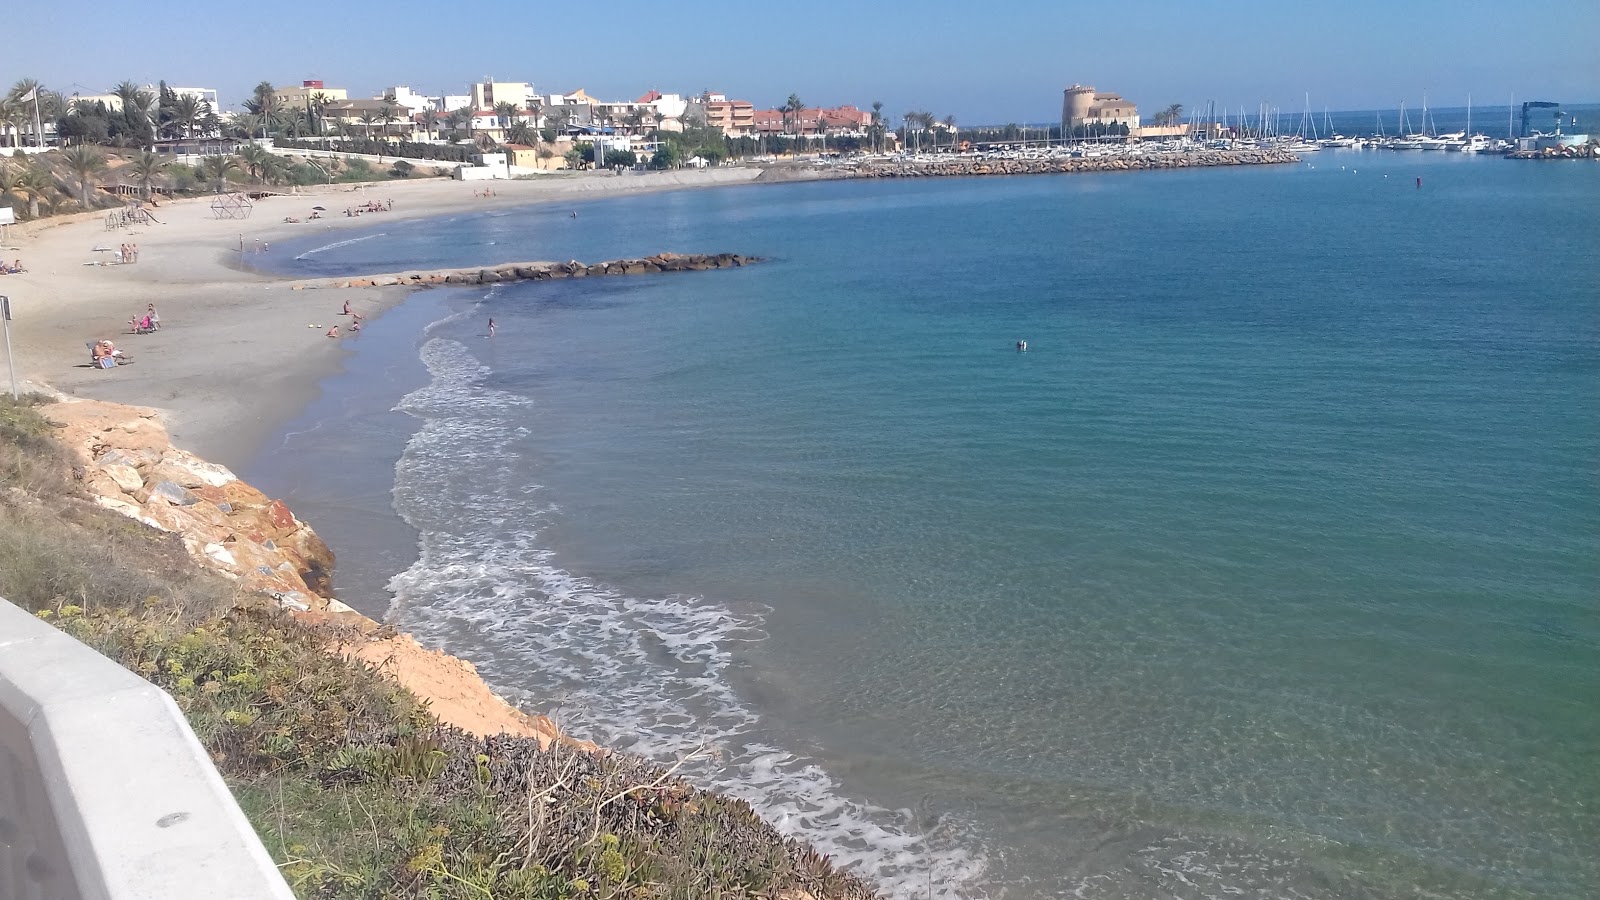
[(1269, 570)]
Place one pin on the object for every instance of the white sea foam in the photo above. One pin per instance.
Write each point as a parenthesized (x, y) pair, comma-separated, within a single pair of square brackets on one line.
[(642, 674), (337, 244)]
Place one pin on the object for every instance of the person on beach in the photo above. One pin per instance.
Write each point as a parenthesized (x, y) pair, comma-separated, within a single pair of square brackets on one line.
[(491, 327), (346, 310), (333, 332), (105, 355)]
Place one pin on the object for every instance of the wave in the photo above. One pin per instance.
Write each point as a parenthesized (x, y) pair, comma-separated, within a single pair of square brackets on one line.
[(643, 674), (337, 244)]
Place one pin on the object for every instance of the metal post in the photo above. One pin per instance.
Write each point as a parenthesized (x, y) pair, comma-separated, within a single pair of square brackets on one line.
[(11, 359)]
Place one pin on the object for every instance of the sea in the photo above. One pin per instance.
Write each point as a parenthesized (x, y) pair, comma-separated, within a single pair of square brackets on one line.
[(1271, 568)]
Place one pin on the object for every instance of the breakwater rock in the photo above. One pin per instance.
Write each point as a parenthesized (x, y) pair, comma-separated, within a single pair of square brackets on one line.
[(543, 271), (957, 166)]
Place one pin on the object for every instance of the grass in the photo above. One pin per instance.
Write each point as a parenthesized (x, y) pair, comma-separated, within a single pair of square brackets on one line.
[(355, 788)]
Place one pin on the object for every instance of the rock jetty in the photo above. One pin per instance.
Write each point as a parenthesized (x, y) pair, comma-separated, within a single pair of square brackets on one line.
[(543, 271), (948, 166)]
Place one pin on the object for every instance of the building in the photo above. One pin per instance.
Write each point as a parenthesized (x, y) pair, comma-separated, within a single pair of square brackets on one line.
[(298, 96), (114, 103), (734, 117), (402, 95), (1082, 105), (365, 118), (835, 122), (486, 94), (522, 156)]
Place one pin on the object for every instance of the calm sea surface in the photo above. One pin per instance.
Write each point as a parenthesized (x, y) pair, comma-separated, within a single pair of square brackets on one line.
[(1269, 570)]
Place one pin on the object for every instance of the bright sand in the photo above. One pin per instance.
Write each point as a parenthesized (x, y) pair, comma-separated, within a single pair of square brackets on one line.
[(236, 356)]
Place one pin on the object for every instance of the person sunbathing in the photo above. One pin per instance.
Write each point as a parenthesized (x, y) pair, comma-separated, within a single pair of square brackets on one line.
[(105, 355), (333, 332)]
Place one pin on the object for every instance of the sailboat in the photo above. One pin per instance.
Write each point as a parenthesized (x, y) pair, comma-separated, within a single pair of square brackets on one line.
[(1332, 139), (1428, 141), (1405, 141), (1470, 142)]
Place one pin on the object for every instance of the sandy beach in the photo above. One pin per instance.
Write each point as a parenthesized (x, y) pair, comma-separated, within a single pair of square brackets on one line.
[(235, 357)]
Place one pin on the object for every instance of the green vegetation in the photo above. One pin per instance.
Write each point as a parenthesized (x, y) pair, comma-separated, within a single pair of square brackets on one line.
[(356, 790)]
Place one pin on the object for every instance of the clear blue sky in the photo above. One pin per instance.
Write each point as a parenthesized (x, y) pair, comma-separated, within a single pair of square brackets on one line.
[(981, 62)]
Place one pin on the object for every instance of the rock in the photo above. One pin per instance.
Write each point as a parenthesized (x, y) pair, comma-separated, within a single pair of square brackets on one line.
[(486, 276), (173, 493), (119, 506), (191, 471), (281, 518), (125, 476), (235, 494), (120, 457)]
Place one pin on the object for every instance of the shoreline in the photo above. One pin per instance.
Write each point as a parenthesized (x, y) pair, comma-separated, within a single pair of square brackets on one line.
[(235, 359)]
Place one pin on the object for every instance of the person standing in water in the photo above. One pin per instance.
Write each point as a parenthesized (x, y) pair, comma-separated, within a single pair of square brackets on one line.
[(1022, 346), (491, 327)]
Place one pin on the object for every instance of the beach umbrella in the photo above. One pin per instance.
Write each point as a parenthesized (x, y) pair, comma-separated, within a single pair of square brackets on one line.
[(320, 208), (101, 248)]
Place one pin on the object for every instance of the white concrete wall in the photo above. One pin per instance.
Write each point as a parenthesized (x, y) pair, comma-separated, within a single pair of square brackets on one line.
[(105, 793)]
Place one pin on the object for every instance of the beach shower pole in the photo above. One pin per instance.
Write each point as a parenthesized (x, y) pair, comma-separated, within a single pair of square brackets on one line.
[(11, 359)]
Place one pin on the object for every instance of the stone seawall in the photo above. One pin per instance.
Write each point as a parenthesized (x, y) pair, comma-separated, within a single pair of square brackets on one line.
[(958, 166), (541, 271)]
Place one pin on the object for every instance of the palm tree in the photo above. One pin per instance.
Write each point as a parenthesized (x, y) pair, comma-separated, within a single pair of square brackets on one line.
[(36, 183), (1170, 115), (217, 168), (256, 159), (387, 112), (317, 108), (145, 166), (12, 114), (84, 163), (367, 118), (794, 107), (877, 126), (521, 133), (950, 123), (246, 124), (504, 112), (430, 118), (265, 104), (186, 113), (10, 184)]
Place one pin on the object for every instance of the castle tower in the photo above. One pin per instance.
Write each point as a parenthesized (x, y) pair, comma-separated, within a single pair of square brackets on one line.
[(1076, 102)]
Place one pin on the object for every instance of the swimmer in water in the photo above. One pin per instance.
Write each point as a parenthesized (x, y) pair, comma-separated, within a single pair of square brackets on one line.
[(491, 328), (1022, 346)]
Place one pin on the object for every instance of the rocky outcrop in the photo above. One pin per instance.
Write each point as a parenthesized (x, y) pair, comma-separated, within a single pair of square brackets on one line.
[(128, 465), (962, 166), (542, 271)]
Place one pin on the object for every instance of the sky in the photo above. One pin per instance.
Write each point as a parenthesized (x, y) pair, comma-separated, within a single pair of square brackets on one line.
[(983, 63)]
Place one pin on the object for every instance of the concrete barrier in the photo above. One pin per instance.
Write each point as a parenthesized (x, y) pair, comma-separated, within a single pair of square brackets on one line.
[(105, 793)]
